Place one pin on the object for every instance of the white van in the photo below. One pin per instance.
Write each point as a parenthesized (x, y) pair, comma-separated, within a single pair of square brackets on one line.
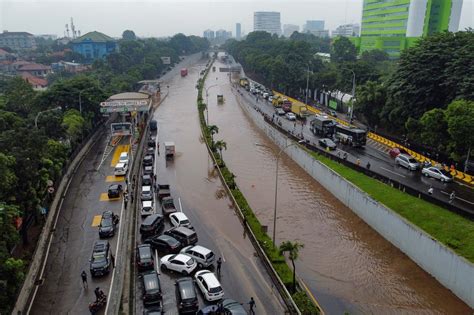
[(123, 158), (121, 169), (169, 148)]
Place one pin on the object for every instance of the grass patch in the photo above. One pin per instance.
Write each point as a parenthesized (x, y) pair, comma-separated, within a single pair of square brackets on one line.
[(451, 229)]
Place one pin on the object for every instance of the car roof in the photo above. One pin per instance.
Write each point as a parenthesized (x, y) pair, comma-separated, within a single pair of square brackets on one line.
[(123, 154), (146, 188), (120, 164), (151, 218), (180, 216), (147, 203), (200, 249), (209, 277), (100, 245), (186, 287), (180, 257), (107, 213)]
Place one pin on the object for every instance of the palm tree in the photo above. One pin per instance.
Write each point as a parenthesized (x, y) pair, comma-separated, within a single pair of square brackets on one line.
[(213, 129), (220, 145), (292, 248)]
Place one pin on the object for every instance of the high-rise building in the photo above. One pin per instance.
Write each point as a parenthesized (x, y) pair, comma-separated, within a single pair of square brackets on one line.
[(223, 35), (346, 30), (267, 21), (289, 29), (209, 34), (17, 40), (393, 25), (238, 31), (313, 25)]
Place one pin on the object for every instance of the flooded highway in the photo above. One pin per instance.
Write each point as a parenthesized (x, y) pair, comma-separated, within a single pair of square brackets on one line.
[(344, 262)]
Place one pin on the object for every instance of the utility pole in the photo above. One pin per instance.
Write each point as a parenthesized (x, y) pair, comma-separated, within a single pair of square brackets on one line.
[(307, 86)]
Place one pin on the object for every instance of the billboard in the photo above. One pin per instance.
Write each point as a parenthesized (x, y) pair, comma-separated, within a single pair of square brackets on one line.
[(166, 60)]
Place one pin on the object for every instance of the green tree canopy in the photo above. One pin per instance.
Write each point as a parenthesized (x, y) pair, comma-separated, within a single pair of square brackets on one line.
[(343, 50), (129, 35)]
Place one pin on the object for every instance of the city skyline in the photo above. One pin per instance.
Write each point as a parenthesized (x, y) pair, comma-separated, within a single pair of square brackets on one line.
[(161, 16)]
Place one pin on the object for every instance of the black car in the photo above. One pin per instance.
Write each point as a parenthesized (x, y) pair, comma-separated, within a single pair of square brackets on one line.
[(327, 143), (151, 225), (151, 141), (147, 180), (107, 224), (148, 160), (153, 125), (100, 260), (144, 258), (230, 306), (186, 296), (184, 235), (150, 150), (114, 191), (151, 288), (164, 244), (148, 169)]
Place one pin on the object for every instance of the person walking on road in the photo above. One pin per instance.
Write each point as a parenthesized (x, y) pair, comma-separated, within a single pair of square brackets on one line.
[(252, 305), (112, 260), (358, 162), (452, 197), (219, 264), (430, 190), (84, 279)]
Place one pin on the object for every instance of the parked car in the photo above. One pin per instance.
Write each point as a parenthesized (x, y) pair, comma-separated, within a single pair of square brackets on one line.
[(230, 306), (327, 143), (279, 111), (147, 180), (100, 259), (147, 208), (144, 257), (148, 170), (180, 219), (150, 150), (178, 262), (202, 255), (209, 285), (186, 297), (167, 206), (407, 161), (151, 293), (183, 234), (153, 125), (146, 193), (151, 225), (333, 113), (442, 175), (164, 244), (151, 141), (121, 169), (123, 158), (148, 160), (107, 224), (114, 191), (162, 192), (394, 152), (290, 116)]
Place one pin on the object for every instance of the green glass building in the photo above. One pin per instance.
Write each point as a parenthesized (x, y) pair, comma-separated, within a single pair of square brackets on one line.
[(393, 25)]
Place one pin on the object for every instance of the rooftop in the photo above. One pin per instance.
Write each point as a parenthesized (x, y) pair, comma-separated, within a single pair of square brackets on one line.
[(94, 37), (129, 96), (33, 67)]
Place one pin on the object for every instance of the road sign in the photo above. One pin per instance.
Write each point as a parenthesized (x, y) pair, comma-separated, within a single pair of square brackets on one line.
[(123, 106)]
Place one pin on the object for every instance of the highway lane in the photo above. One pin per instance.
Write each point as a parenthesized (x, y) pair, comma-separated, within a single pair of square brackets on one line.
[(76, 231), (196, 186)]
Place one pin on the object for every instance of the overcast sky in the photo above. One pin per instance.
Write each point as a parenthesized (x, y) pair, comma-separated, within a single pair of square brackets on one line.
[(168, 17)]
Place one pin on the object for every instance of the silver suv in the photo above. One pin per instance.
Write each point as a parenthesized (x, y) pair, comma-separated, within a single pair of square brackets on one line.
[(407, 161)]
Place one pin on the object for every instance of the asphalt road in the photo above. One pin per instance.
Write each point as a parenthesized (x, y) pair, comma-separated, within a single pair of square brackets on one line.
[(380, 160), (62, 291), (197, 190)]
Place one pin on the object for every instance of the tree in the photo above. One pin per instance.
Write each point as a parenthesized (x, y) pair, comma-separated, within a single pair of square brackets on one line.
[(370, 99), (129, 35), (460, 118), (73, 123), (374, 56), (19, 96), (213, 129), (221, 145), (292, 248), (433, 129), (343, 50)]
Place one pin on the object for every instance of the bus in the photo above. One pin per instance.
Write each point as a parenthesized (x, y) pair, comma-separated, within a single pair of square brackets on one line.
[(351, 136)]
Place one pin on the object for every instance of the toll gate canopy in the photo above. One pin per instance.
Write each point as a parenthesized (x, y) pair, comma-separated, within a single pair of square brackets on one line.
[(126, 102)]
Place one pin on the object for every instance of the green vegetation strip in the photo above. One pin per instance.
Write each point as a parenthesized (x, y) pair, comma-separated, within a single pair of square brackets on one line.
[(304, 303), (452, 230)]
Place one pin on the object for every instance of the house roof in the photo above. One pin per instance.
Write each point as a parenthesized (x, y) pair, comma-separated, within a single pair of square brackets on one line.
[(31, 79), (4, 52), (129, 96), (6, 33), (33, 67), (94, 36)]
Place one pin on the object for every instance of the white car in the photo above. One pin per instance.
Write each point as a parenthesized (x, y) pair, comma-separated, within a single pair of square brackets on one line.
[(147, 193), (147, 208), (180, 219), (202, 255), (209, 285), (120, 169), (180, 263), (442, 175), (290, 116), (123, 158)]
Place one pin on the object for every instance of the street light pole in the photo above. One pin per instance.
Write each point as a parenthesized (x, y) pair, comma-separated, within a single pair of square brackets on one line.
[(307, 86), (48, 110)]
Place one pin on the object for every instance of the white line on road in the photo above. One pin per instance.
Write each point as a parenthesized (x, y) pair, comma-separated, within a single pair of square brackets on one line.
[(180, 208), (395, 173), (157, 262), (455, 197)]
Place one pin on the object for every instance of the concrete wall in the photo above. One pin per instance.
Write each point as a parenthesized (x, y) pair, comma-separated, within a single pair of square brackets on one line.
[(451, 270)]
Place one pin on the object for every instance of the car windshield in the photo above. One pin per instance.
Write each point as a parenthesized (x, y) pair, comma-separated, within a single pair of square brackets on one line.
[(106, 222), (184, 221), (145, 253), (412, 160), (190, 262), (445, 173), (215, 290), (98, 257)]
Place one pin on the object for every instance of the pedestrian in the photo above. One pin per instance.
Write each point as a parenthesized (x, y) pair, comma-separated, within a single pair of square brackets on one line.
[(97, 293), (154, 178), (358, 162), (251, 305), (134, 178), (219, 264), (294, 125), (452, 197), (112, 260), (430, 190), (368, 165), (131, 196), (84, 279)]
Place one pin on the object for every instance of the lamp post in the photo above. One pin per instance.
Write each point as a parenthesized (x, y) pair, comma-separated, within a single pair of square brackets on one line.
[(48, 110), (276, 180), (307, 86), (207, 102)]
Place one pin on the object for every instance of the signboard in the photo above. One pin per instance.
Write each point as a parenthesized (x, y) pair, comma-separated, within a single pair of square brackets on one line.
[(121, 106), (166, 60), (333, 104)]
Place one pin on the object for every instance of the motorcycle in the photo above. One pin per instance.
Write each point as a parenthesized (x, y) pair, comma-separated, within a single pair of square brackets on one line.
[(97, 305)]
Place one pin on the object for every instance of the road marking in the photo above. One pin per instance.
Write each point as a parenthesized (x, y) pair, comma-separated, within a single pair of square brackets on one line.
[(121, 148), (105, 197), (455, 197), (180, 208), (157, 262), (311, 295), (113, 178), (96, 220), (395, 173)]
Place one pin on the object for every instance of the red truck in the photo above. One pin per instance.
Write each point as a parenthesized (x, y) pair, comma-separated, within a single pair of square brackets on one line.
[(184, 72)]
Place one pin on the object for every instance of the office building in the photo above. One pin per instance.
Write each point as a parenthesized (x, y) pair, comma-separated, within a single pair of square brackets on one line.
[(267, 21), (289, 29), (209, 34), (346, 30), (238, 31), (223, 35), (17, 40), (313, 25), (94, 45), (393, 25)]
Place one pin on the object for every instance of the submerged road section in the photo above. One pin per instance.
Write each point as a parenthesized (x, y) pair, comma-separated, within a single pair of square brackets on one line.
[(345, 263)]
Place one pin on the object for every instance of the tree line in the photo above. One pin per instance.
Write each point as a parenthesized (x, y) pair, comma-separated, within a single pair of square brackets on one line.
[(40, 130)]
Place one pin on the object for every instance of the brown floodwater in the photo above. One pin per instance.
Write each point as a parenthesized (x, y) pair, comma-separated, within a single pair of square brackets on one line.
[(345, 263)]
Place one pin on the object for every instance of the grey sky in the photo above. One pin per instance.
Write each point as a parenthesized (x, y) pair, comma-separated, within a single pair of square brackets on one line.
[(166, 17)]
